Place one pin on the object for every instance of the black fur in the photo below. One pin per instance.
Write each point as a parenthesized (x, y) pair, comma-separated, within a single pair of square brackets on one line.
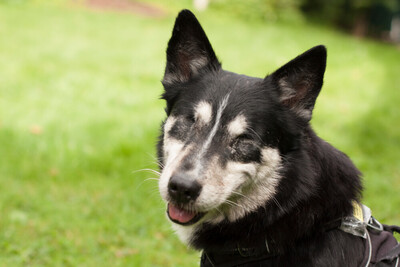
[(318, 182)]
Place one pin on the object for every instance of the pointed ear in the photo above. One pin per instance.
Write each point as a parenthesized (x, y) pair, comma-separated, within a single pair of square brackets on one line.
[(300, 81), (189, 51)]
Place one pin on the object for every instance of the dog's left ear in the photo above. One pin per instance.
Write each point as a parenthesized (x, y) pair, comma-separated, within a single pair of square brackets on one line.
[(189, 50), (300, 81)]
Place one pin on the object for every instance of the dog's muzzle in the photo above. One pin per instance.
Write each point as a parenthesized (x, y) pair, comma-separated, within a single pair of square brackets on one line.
[(183, 191)]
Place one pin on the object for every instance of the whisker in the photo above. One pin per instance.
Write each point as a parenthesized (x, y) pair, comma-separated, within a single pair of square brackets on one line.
[(146, 180), (152, 156), (150, 179), (233, 204), (244, 196), (155, 159), (239, 194), (159, 162), (257, 135), (220, 212), (278, 204), (153, 192), (147, 170)]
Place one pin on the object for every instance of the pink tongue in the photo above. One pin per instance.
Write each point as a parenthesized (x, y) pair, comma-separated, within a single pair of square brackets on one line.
[(180, 215)]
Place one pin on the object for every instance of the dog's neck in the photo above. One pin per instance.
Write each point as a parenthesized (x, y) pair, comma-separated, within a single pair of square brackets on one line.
[(336, 184)]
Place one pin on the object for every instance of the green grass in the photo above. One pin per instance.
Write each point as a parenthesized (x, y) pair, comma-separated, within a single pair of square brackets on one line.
[(80, 111)]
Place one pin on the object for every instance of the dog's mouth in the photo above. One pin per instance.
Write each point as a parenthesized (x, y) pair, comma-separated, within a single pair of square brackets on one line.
[(182, 216)]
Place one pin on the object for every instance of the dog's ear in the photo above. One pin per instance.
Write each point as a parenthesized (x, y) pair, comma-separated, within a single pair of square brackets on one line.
[(300, 81), (189, 52)]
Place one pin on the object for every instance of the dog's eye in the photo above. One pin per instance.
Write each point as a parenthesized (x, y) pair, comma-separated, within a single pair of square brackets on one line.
[(181, 128), (191, 118), (240, 140), (245, 149), (244, 137)]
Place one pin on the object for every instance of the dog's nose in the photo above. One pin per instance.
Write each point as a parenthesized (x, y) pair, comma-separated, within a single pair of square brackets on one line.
[(183, 189)]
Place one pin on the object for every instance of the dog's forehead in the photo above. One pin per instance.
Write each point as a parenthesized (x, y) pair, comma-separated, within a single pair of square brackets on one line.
[(226, 111), (244, 93), (235, 102)]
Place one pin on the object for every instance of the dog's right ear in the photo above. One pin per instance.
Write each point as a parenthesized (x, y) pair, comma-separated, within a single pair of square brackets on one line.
[(300, 81), (189, 52)]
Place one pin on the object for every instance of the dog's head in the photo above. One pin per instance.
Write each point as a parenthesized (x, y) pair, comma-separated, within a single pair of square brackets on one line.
[(224, 142)]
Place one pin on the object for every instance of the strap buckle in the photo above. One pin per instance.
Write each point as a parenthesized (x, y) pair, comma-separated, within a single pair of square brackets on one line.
[(374, 224)]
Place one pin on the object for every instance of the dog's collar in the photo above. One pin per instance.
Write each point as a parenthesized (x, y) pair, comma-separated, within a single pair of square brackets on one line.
[(243, 255)]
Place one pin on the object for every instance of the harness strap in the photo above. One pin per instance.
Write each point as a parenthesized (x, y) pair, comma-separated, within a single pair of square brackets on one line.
[(391, 255), (235, 257), (392, 228), (368, 251)]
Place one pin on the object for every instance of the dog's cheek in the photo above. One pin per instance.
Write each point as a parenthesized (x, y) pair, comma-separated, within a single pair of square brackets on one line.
[(212, 194), (221, 183), (260, 186), (238, 172), (271, 164)]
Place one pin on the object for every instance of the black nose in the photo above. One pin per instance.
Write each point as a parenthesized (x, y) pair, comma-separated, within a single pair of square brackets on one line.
[(183, 189)]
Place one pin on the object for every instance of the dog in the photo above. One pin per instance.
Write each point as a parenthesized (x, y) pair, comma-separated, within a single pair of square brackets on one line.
[(245, 178)]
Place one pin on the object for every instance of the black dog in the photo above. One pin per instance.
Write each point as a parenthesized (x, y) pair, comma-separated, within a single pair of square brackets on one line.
[(245, 177)]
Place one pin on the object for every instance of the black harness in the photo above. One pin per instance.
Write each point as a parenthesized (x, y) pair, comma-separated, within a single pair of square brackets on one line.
[(237, 256), (381, 249)]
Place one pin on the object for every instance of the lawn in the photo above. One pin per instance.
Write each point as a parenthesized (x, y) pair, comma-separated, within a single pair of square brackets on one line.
[(80, 113)]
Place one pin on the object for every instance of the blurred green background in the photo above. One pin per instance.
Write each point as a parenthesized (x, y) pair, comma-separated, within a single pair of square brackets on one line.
[(80, 114)]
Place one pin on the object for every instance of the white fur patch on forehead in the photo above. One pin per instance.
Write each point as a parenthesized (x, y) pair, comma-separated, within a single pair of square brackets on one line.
[(237, 126), (214, 129), (203, 112)]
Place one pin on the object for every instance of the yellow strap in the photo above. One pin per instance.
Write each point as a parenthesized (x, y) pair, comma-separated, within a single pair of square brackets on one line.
[(357, 211)]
